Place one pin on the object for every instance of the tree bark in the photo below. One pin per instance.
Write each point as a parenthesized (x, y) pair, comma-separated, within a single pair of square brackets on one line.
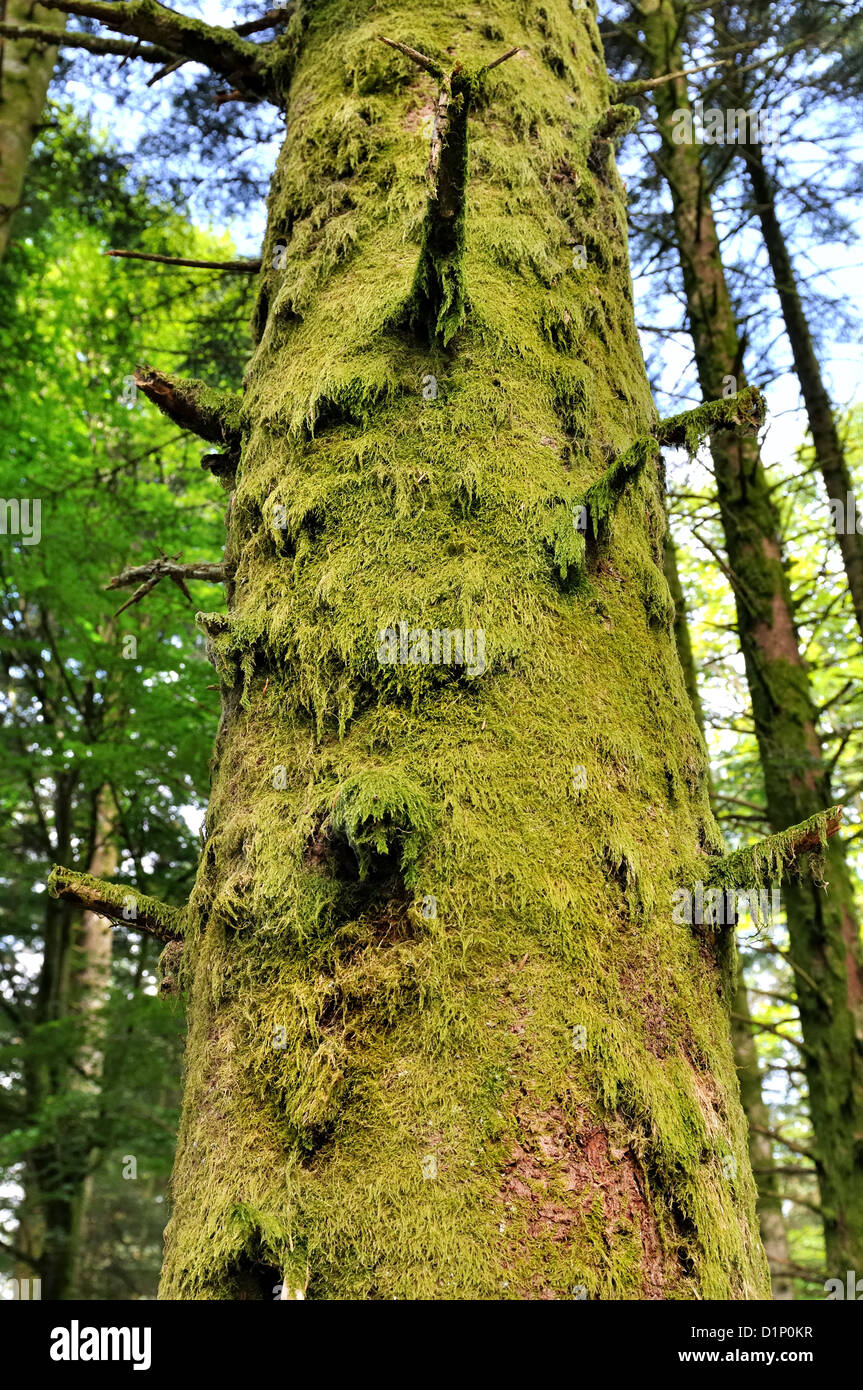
[(445, 1039), (74, 981), (829, 453), (25, 73), (824, 935), (770, 1216)]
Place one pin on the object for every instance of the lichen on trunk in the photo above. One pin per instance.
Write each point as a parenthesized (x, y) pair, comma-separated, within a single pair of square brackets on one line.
[(445, 1039)]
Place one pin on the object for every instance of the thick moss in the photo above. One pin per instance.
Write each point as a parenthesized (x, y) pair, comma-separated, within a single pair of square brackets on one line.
[(445, 1039)]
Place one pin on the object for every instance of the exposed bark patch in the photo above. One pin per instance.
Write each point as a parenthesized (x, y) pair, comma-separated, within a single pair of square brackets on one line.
[(777, 639), (558, 1169)]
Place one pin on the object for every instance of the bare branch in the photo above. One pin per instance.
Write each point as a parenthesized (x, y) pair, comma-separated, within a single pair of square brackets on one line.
[(165, 567), (625, 90), (420, 59), (786, 1143), (22, 1256), (510, 53), (232, 267)]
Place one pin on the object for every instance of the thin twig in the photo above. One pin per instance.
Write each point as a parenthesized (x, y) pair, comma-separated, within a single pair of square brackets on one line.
[(233, 267)]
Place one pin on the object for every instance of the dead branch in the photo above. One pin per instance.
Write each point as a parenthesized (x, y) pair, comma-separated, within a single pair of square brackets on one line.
[(232, 267), (165, 567)]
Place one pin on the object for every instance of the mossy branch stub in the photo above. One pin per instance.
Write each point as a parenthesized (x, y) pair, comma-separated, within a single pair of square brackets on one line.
[(777, 856), (745, 410), (194, 406), (118, 902)]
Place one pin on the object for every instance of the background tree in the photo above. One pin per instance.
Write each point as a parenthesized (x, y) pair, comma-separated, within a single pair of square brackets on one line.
[(825, 947), (100, 755)]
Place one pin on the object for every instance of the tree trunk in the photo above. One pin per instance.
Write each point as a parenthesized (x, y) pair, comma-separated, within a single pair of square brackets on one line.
[(824, 937), (770, 1216), (681, 630), (829, 454), (75, 976), (445, 1040), (25, 74)]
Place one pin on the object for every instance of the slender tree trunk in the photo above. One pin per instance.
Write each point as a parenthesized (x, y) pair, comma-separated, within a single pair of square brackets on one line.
[(681, 630), (824, 936), (25, 73), (445, 1039), (76, 971), (770, 1217), (90, 984), (829, 454)]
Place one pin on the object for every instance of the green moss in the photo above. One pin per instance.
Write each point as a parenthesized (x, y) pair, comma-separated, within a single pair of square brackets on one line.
[(744, 410), (778, 856), (379, 811)]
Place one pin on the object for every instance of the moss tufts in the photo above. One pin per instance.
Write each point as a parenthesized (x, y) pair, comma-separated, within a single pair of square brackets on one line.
[(744, 410)]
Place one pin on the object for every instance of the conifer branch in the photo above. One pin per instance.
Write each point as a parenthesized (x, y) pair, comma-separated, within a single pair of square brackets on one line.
[(212, 415), (745, 410), (234, 95), (91, 43), (602, 496), (786, 1143), (232, 267), (439, 295), (223, 51), (510, 53), (438, 299), (222, 466), (625, 90), (615, 122), (121, 904)]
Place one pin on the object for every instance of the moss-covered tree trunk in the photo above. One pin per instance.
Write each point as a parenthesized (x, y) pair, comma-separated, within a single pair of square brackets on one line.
[(446, 1040), (26, 66), (824, 935)]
